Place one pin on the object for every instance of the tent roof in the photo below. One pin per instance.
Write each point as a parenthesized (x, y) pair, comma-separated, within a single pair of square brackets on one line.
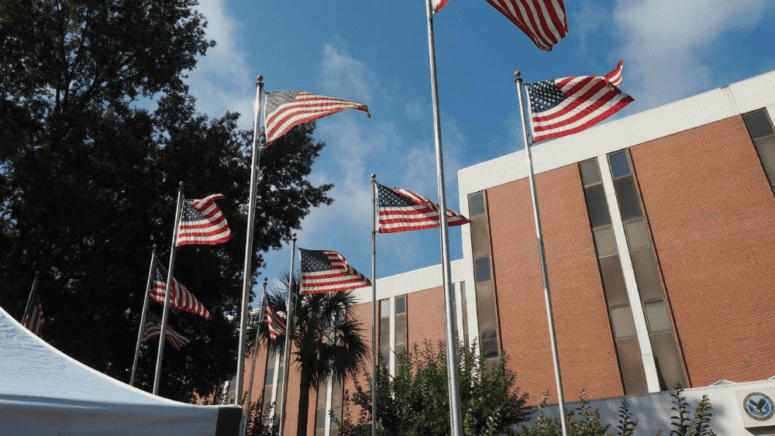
[(43, 391)]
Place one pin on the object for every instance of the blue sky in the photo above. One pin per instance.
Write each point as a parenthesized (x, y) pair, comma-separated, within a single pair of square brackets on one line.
[(376, 52)]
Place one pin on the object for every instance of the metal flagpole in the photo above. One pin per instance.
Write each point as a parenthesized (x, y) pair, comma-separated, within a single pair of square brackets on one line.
[(32, 292), (258, 135), (255, 357), (288, 332), (456, 423), (163, 332), (374, 215), (142, 317), (539, 235)]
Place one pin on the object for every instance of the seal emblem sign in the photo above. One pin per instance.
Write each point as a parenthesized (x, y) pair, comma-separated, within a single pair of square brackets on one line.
[(758, 406)]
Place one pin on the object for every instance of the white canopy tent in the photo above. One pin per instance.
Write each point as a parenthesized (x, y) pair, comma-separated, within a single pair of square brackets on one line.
[(44, 392)]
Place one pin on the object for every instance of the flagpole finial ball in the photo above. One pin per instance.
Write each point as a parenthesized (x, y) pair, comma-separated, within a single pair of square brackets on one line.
[(293, 235), (260, 78), (373, 176), (181, 184), (517, 75), (154, 247)]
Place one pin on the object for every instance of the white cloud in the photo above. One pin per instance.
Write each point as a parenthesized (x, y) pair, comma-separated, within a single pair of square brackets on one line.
[(418, 110), (221, 81), (347, 77), (666, 43)]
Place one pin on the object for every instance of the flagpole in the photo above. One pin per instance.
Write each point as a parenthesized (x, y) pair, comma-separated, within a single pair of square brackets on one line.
[(142, 317), (539, 235), (165, 311), (288, 331), (255, 356), (32, 292), (449, 315), (258, 135), (374, 304)]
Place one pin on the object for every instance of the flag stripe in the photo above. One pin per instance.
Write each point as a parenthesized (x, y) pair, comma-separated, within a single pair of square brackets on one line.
[(438, 4), (615, 76), (401, 210), (180, 297), (294, 108), (203, 223), (328, 271), (153, 329), (570, 105), (274, 322), (543, 21), (33, 320)]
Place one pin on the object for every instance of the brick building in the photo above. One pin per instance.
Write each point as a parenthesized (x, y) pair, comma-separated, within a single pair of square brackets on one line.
[(659, 231)]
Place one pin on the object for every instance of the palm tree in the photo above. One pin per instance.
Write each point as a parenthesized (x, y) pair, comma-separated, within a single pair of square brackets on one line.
[(326, 342)]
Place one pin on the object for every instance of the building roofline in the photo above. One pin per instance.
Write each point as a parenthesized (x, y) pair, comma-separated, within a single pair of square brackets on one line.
[(735, 99)]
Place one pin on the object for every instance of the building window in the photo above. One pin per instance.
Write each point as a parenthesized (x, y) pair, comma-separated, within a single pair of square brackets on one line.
[(482, 269), (464, 308), (384, 330), (401, 324), (647, 275), (489, 343), (614, 287), (477, 204), (484, 285), (760, 128)]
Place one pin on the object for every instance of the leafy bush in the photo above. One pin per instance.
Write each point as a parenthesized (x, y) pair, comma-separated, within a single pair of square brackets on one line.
[(416, 402)]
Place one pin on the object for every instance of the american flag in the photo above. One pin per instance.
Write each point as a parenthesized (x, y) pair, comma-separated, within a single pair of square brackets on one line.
[(180, 297), (286, 109), (570, 105), (33, 318), (401, 210), (328, 271), (203, 223), (543, 21), (275, 324), (153, 329)]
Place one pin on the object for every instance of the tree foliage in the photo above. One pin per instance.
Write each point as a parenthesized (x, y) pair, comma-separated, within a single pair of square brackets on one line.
[(416, 400), (88, 181), (327, 344)]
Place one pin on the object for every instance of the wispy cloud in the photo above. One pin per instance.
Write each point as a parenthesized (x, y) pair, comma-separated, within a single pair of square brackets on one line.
[(221, 81), (666, 43), (347, 76)]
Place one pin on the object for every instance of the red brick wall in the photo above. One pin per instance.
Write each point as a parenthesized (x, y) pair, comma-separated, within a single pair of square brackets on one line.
[(586, 349), (363, 314), (425, 317), (712, 216), (259, 377), (292, 403)]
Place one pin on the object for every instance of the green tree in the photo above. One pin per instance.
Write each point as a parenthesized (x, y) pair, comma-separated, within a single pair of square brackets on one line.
[(88, 181), (416, 400), (326, 342)]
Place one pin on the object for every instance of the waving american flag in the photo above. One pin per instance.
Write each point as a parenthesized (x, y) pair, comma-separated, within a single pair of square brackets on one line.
[(401, 210), (287, 109), (203, 223), (328, 271), (274, 322), (33, 318), (570, 105), (180, 297), (153, 329)]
